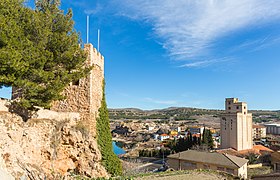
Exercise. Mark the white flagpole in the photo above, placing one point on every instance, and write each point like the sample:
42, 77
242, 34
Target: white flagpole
87, 28
98, 41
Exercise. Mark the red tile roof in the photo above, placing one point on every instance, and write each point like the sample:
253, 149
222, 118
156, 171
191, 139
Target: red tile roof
257, 149
258, 126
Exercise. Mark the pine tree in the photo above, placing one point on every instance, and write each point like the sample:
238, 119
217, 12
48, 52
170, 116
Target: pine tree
207, 138
39, 51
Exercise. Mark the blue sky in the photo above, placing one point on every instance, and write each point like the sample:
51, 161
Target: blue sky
191, 53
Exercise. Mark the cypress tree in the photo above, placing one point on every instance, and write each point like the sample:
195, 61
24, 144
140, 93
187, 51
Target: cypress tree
104, 139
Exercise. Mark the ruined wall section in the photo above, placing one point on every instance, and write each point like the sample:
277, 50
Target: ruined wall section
85, 96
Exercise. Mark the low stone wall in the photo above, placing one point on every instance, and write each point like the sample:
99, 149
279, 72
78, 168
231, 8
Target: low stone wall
58, 116
252, 166
45, 113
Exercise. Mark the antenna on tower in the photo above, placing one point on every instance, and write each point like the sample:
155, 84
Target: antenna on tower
98, 39
87, 28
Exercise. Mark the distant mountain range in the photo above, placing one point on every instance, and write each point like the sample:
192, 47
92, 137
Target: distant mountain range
183, 113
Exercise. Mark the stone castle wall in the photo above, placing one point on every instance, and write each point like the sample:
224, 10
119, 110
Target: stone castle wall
85, 96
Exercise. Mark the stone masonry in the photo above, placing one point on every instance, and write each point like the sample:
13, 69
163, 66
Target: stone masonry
85, 96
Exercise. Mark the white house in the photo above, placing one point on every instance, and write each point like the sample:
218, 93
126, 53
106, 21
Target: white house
163, 137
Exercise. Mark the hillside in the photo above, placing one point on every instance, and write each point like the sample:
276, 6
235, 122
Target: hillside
184, 113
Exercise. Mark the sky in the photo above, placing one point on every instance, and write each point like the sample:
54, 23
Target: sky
184, 53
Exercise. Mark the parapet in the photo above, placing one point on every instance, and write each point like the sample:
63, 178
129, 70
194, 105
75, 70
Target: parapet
94, 57
232, 105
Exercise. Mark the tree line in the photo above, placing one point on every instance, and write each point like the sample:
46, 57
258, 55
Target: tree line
182, 144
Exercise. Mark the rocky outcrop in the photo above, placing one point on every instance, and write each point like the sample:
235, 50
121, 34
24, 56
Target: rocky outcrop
3, 105
48, 148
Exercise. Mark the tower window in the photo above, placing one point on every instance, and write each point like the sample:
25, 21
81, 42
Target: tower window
229, 108
244, 107
76, 83
237, 107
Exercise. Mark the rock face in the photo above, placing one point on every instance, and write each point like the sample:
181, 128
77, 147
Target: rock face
47, 148
60, 141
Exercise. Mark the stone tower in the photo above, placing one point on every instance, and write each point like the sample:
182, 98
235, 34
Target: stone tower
85, 95
236, 126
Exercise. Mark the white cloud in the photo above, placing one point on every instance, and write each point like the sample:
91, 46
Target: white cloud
205, 63
189, 28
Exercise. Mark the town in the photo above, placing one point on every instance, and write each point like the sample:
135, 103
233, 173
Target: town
183, 134
68, 69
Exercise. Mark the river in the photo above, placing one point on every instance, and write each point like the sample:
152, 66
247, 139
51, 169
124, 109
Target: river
117, 149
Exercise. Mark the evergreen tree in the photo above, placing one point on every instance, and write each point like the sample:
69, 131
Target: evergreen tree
104, 140
207, 138
210, 141
39, 51
189, 140
203, 138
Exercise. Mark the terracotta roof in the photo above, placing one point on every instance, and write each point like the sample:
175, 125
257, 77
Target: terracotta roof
164, 135
195, 135
257, 149
229, 151
258, 126
210, 158
262, 148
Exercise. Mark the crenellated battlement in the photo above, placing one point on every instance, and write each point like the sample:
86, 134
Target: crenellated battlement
94, 57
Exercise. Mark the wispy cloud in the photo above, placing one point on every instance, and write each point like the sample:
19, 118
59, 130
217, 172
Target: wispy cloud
94, 10
205, 63
163, 102
257, 44
189, 28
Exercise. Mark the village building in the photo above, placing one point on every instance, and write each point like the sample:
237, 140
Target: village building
191, 159
272, 129
236, 126
173, 133
150, 128
196, 129
163, 137
259, 131
275, 161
